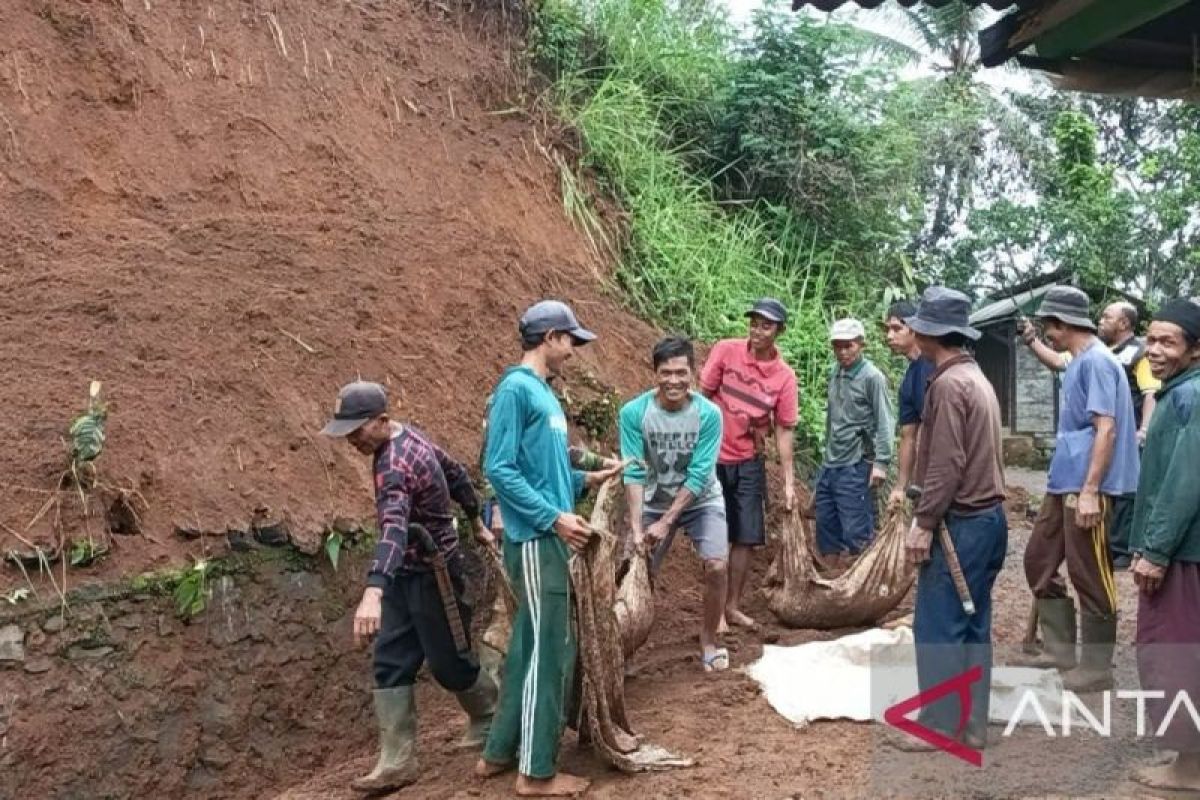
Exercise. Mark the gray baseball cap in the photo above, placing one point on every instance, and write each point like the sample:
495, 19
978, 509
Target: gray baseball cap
551, 315
357, 404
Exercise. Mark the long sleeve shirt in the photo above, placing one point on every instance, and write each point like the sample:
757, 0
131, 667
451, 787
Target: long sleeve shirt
960, 465
858, 423
414, 483
525, 457
1166, 515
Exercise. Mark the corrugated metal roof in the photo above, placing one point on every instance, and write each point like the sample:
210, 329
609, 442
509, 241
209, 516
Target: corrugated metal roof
1021, 303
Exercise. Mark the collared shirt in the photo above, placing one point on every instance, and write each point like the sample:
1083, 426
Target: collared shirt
414, 483
960, 466
858, 422
1166, 514
1094, 385
912, 390
752, 394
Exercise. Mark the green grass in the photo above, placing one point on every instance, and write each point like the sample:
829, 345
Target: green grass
637, 78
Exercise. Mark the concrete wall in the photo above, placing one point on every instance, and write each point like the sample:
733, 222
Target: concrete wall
1036, 388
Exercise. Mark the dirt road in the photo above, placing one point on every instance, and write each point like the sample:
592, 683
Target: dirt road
744, 749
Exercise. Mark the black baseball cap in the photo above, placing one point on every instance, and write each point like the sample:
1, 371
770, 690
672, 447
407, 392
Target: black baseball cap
549, 316
357, 404
769, 309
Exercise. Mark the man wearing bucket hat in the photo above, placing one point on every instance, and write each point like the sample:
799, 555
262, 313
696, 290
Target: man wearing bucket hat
959, 485
1117, 328
1095, 459
858, 446
756, 391
403, 608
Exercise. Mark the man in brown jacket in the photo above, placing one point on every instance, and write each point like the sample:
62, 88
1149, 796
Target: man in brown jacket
959, 481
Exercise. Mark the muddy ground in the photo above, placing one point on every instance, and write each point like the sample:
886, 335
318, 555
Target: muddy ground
744, 749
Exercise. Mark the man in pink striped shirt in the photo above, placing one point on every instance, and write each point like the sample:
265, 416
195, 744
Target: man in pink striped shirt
756, 391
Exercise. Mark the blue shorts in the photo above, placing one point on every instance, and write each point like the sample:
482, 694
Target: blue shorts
705, 526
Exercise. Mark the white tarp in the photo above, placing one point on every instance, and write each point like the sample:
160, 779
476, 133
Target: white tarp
836, 679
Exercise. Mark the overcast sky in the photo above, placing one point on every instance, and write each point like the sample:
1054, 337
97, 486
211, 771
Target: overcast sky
1021, 80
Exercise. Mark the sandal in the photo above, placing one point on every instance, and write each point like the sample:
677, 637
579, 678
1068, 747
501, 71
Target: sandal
717, 662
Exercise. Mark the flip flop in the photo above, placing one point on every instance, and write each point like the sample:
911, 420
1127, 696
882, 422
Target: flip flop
717, 662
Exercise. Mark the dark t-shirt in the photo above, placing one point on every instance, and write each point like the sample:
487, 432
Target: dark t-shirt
912, 390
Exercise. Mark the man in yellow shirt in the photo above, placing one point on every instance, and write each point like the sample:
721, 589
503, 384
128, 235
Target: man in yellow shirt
1117, 329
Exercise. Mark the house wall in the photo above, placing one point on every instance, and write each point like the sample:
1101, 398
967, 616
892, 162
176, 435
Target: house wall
1035, 395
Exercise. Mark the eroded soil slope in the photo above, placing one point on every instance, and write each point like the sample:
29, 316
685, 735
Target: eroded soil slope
222, 211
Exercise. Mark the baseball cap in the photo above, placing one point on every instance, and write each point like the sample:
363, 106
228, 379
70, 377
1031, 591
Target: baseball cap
770, 309
845, 330
357, 404
551, 315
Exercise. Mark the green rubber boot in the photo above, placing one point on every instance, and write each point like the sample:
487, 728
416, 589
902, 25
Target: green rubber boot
1056, 618
1094, 673
480, 704
396, 714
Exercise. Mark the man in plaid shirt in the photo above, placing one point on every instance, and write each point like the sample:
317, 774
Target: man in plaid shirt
414, 483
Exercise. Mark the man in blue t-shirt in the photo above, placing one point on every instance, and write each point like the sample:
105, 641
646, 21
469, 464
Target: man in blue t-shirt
1095, 460
903, 342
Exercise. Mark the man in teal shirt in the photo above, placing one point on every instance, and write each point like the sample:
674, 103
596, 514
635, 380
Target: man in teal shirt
676, 433
526, 461
1165, 541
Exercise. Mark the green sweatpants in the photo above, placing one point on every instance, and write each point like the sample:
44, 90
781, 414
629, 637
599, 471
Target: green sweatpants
541, 659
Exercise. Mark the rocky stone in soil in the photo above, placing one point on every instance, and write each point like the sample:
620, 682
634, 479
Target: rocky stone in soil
12, 645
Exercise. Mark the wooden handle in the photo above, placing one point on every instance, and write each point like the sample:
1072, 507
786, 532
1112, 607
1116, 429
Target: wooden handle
956, 573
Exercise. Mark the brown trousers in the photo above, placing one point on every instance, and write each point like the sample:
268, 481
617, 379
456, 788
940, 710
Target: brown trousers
1056, 538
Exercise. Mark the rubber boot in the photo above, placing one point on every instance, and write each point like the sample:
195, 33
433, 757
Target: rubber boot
480, 704
1056, 618
396, 714
1094, 673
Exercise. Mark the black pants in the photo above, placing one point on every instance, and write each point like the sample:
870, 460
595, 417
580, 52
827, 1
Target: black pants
414, 628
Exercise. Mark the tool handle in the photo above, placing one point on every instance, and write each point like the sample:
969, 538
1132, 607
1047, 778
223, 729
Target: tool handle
956, 573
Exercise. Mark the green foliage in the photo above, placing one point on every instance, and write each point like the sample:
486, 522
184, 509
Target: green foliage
722, 207
85, 552
191, 590
333, 547
87, 430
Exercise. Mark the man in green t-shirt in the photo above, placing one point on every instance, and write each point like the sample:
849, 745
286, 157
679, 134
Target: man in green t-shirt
676, 433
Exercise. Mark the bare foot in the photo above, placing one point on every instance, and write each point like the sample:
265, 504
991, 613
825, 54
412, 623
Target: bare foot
736, 617
561, 785
722, 627
1182, 774
486, 769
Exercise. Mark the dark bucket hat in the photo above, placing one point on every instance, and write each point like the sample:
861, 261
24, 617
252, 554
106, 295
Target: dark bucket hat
943, 311
1066, 304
